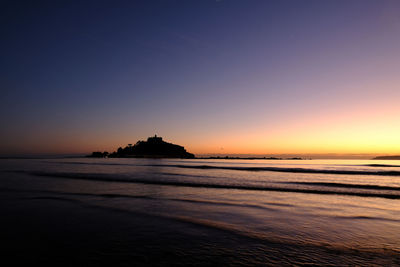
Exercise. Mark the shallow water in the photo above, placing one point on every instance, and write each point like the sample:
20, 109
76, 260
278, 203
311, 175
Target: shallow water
205, 212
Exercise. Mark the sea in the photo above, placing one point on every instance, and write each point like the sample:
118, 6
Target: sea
199, 212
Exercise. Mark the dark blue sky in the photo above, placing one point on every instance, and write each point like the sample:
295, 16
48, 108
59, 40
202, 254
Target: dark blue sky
80, 75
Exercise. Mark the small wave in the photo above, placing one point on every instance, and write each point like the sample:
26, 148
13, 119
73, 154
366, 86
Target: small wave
184, 175
279, 169
207, 202
380, 165
108, 195
359, 186
366, 218
109, 178
242, 168
53, 198
222, 203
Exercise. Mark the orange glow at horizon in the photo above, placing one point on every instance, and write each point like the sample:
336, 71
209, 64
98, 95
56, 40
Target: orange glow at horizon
371, 128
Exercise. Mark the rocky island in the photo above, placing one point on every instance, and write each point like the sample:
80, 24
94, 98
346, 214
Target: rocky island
154, 147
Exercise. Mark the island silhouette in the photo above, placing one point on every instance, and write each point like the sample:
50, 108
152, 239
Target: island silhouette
154, 147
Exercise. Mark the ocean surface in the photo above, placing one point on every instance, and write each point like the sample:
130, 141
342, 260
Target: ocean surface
172, 212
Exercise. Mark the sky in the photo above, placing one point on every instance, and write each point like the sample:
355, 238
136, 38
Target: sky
223, 77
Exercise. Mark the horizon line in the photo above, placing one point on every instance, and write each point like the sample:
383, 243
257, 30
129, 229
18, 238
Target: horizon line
33, 155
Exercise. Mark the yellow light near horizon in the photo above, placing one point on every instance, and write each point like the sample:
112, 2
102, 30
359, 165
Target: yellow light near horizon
366, 131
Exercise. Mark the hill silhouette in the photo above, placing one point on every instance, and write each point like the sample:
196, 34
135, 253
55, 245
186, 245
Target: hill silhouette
154, 147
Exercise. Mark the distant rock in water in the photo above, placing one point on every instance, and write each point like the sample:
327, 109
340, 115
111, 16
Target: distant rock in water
154, 147
388, 157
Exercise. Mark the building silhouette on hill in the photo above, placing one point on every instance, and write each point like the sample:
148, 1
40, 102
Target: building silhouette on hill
154, 147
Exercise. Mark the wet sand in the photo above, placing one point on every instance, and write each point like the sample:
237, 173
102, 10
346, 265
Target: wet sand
47, 231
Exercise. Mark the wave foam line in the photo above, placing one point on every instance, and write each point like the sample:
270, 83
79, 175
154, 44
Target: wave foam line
342, 185
103, 178
279, 169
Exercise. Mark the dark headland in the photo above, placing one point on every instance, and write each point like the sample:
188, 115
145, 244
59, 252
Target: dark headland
154, 147
388, 157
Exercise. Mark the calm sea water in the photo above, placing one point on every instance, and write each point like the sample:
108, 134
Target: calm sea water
203, 212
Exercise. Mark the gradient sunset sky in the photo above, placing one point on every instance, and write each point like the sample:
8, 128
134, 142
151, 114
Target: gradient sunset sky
254, 77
